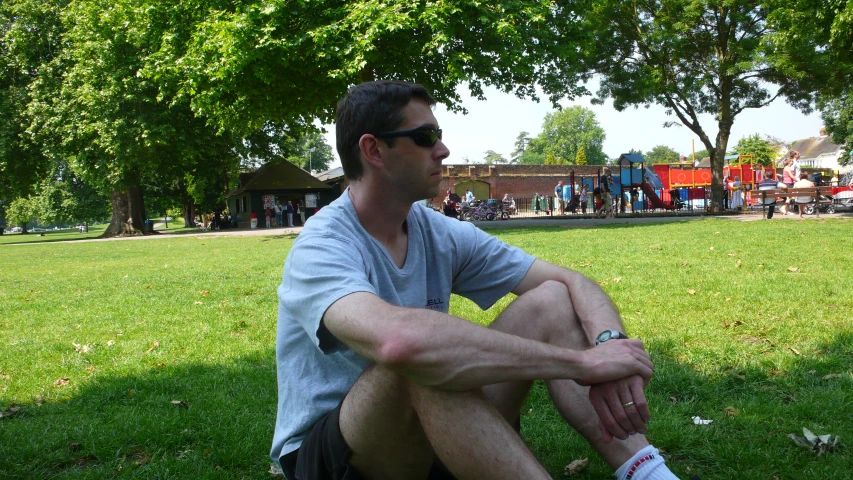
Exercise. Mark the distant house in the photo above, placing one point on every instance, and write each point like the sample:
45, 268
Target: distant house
819, 152
335, 179
279, 182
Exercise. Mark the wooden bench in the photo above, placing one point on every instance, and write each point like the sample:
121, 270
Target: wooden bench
814, 194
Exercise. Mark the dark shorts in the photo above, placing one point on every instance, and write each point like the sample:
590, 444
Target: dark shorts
324, 455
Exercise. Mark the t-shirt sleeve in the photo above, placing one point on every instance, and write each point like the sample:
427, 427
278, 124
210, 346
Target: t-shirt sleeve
320, 270
487, 268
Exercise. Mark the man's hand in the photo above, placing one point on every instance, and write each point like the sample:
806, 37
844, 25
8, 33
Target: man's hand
616, 419
615, 360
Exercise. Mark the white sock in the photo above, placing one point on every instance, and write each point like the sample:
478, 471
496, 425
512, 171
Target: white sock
647, 464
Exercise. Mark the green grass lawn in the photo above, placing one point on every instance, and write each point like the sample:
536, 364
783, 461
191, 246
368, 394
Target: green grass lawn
173, 371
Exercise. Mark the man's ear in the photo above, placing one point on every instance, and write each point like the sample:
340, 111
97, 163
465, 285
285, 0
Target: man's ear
371, 151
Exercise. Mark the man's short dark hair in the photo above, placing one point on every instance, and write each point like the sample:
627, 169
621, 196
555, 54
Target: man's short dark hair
372, 107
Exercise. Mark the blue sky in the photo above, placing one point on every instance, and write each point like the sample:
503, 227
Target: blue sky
495, 123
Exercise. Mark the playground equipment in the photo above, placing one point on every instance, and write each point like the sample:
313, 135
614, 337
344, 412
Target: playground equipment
633, 175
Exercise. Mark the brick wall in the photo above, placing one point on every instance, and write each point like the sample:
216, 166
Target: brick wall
515, 180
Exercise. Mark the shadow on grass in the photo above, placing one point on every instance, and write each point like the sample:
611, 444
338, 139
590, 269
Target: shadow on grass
216, 421
205, 421
749, 441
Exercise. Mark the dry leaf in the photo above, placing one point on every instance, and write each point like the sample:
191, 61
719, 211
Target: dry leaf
617, 279
5, 376
205, 292
75, 447
577, 466
9, 412
673, 400
180, 403
130, 393
739, 264
81, 348
831, 376
198, 303
732, 411
685, 265
691, 292
712, 248
796, 352
736, 323
793, 269
728, 299
275, 470
154, 345
39, 400
732, 254
60, 382
760, 265
111, 343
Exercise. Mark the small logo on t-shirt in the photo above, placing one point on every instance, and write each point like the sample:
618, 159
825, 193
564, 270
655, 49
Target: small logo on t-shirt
434, 304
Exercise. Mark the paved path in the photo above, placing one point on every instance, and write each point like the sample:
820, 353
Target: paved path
514, 223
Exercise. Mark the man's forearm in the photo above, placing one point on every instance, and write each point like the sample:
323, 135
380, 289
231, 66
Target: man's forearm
436, 349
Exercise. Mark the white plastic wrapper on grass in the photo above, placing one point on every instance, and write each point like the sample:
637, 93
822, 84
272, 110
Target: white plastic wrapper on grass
701, 421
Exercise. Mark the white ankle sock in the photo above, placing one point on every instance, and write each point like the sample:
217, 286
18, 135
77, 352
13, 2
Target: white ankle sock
647, 464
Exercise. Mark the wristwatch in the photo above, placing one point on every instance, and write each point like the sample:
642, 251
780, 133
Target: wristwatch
609, 335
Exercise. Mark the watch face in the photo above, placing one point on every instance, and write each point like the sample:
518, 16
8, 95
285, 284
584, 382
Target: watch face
605, 335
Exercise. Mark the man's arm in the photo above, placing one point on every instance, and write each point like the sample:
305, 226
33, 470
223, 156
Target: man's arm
597, 313
433, 348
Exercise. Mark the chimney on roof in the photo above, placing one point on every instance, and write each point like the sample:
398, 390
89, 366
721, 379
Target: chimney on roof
822, 131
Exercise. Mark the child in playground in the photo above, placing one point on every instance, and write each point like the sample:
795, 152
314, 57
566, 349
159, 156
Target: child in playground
584, 198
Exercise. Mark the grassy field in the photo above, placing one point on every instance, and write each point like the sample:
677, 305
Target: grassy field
156, 358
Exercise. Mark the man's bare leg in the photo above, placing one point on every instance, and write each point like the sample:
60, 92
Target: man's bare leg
546, 314
396, 428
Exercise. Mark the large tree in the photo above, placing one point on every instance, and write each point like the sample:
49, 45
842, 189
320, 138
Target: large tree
30, 40
565, 131
815, 38
693, 57
290, 62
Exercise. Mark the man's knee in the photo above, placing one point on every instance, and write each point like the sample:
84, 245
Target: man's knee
545, 313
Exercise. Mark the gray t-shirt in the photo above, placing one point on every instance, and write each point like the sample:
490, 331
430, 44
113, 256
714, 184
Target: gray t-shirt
334, 257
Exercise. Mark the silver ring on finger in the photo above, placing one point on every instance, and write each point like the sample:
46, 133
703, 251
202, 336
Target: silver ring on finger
629, 404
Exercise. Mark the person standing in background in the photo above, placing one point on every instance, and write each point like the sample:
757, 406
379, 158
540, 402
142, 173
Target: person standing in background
558, 195
289, 210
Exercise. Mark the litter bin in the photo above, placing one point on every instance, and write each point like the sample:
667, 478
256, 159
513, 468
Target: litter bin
149, 225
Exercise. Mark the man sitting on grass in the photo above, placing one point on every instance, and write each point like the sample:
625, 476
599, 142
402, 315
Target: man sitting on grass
377, 381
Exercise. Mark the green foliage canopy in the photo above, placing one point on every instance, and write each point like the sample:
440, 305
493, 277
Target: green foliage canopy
565, 131
661, 154
760, 149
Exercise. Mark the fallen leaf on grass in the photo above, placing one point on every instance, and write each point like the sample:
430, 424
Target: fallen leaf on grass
5, 376
154, 345
796, 352
685, 265
205, 292
673, 400
140, 458
39, 400
81, 348
275, 470
9, 412
793, 269
61, 382
831, 376
130, 393
617, 279
198, 303
739, 263
576, 466
818, 444
111, 343
585, 264
712, 248
732, 411
180, 403
75, 447
736, 323
691, 292
701, 421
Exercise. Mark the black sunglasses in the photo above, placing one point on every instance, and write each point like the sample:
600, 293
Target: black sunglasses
422, 136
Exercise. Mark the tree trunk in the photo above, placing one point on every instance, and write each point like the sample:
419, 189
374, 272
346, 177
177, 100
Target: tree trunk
128, 213
189, 213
